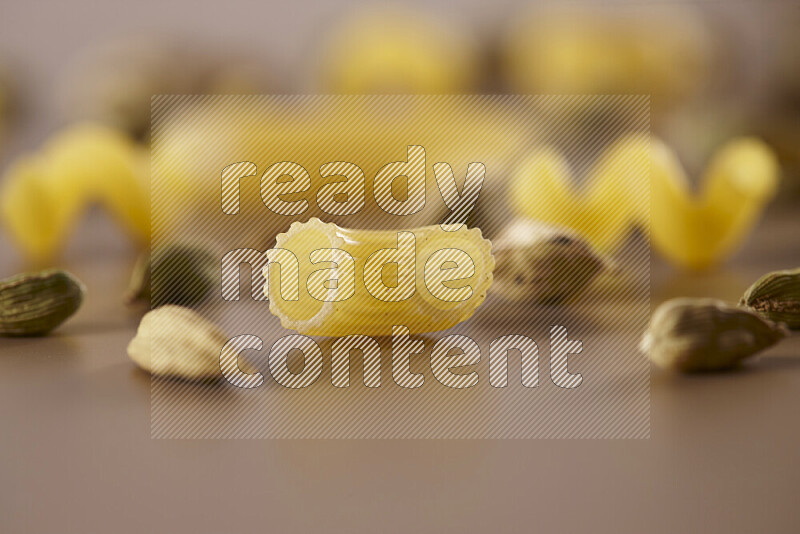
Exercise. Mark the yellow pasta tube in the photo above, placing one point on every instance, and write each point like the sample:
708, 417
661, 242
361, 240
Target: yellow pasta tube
330, 281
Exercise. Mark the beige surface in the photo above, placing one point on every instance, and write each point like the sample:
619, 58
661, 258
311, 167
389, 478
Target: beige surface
77, 456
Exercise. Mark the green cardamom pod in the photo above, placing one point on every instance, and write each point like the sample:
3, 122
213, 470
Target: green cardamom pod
776, 296
689, 335
177, 273
542, 264
33, 304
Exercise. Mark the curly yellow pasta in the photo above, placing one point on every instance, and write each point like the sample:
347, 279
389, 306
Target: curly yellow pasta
639, 180
333, 281
45, 193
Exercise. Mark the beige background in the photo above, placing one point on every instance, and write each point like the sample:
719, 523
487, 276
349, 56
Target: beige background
75, 452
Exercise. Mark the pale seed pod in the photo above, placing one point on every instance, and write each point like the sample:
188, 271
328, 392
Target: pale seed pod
691, 334
542, 264
776, 296
177, 342
34, 304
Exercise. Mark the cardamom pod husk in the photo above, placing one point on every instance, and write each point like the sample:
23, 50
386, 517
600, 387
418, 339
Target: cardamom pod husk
691, 334
177, 273
177, 342
776, 296
33, 304
542, 264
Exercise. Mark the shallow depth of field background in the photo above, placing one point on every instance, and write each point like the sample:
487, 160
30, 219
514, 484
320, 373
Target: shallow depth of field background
714, 70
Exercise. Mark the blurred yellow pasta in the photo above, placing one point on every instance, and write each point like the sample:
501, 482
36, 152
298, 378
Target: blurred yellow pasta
690, 230
44, 193
659, 50
393, 51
